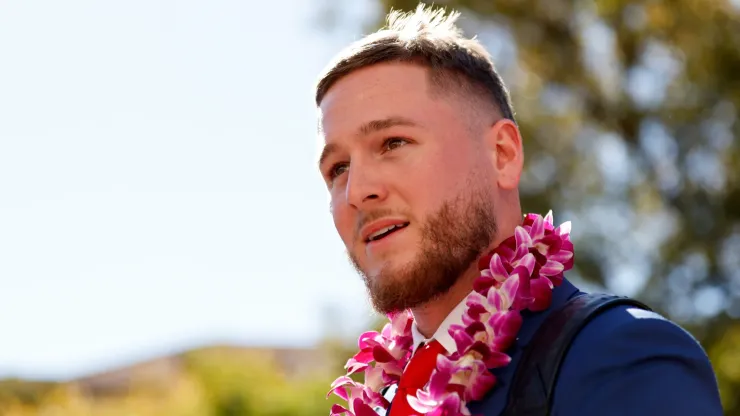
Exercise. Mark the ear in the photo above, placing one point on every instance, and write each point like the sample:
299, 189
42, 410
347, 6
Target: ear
505, 142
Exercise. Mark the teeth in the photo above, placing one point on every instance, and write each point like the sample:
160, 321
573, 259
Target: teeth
380, 232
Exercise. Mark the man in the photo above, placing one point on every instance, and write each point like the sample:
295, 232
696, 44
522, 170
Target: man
422, 158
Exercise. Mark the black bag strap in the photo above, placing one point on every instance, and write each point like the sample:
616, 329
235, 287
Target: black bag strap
533, 387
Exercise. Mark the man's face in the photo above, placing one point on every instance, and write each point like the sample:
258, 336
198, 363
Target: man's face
410, 180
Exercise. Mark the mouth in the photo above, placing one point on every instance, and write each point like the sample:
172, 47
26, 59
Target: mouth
385, 232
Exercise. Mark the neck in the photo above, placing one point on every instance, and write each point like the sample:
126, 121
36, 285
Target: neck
429, 316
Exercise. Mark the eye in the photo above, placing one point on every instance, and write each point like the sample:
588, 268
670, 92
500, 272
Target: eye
336, 170
394, 143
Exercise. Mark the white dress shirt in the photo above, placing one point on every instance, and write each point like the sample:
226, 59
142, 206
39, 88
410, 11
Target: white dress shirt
442, 334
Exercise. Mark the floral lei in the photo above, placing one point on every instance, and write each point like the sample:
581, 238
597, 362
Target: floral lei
519, 274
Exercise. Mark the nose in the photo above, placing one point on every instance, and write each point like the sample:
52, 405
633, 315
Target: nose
364, 185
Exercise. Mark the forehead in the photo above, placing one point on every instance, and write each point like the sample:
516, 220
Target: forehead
376, 92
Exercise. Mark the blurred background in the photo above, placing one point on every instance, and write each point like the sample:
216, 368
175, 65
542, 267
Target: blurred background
165, 241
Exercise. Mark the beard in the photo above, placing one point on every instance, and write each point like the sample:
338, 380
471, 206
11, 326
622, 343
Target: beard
452, 238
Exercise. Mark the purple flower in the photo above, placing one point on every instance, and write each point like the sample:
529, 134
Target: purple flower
551, 250
389, 349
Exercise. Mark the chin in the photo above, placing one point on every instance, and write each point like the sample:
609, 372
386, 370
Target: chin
397, 256
393, 267
386, 271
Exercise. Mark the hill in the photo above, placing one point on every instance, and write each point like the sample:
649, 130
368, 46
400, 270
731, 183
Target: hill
217, 380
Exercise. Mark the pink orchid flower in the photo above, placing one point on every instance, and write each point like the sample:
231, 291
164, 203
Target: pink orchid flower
359, 398
438, 398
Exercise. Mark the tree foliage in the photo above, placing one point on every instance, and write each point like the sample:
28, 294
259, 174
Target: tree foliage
212, 382
629, 114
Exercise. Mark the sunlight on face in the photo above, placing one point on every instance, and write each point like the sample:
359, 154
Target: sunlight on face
404, 173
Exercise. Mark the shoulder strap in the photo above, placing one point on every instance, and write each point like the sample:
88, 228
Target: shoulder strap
533, 387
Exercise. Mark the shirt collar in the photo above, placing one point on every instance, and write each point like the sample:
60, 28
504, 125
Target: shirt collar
442, 335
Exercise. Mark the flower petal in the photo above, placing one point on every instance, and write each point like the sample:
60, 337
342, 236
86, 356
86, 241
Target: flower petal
441, 376
538, 228
462, 339
506, 326
374, 378
563, 229
548, 217
522, 237
498, 271
550, 244
562, 256
484, 282
381, 355
552, 268
527, 262
338, 387
368, 339
542, 291
483, 261
337, 410
497, 359
359, 408
529, 219
354, 366
507, 248
556, 280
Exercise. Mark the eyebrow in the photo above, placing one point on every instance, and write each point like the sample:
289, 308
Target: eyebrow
370, 127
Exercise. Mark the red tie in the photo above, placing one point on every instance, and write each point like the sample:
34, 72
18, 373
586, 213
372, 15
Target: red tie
415, 376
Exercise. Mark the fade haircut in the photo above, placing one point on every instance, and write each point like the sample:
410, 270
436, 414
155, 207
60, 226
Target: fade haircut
430, 38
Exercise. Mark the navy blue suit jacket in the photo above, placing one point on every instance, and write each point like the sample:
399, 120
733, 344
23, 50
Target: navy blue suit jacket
624, 362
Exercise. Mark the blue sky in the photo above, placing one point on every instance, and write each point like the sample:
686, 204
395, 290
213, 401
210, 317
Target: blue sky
158, 187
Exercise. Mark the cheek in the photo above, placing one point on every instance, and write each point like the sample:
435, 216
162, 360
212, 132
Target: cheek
429, 182
343, 221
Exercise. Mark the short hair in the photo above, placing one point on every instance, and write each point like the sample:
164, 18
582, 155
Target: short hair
430, 38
